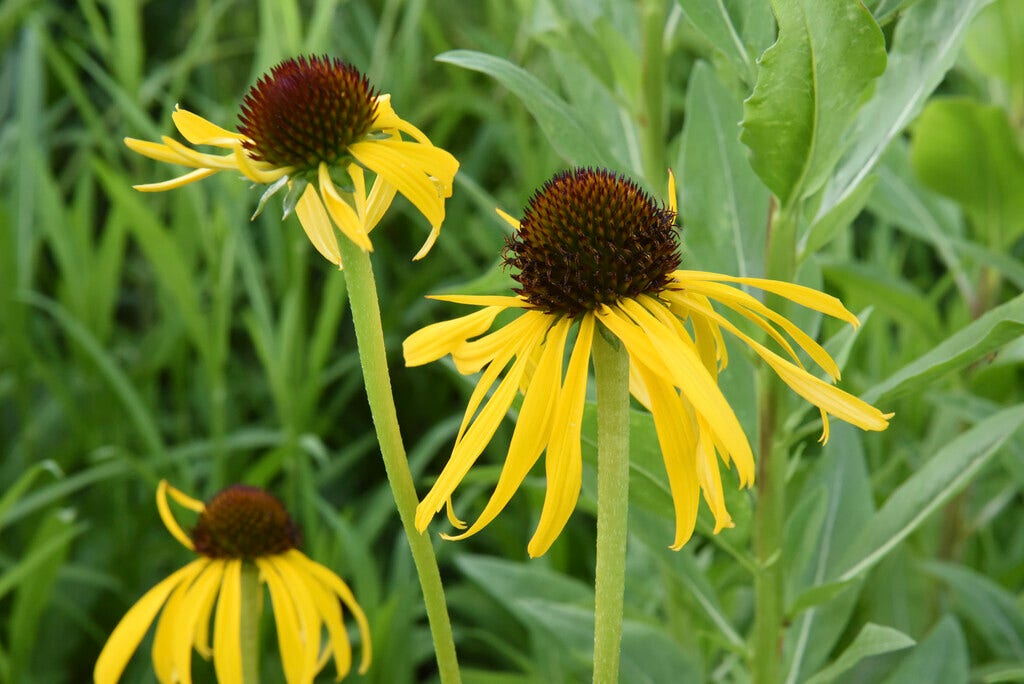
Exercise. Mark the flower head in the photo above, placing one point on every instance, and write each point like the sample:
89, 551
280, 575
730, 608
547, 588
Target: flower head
239, 525
314, 125
594, 250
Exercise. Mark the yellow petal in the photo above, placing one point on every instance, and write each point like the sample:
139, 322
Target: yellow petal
258, 172
133, 626
170, 522
804, 296
386, 119
286, 618
674, 429
310, 626
201, 159
436, 340
510, 220
647, 338
345, 217
533, 426
710, 477
388, 159
475, 354
483, 300
329, 609
471, 443
227, 629
175, 183
382, 194
195, 609
199, 131
564, 462
428, 244
335, 584
317, 225
672, 191
163, 652
158, 152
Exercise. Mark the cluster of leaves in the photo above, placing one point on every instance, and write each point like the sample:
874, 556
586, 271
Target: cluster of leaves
166, 336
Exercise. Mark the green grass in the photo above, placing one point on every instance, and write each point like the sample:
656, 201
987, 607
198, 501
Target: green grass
149, 336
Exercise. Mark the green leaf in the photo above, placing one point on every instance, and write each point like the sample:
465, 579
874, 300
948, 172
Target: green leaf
873, 640
993, 611
14, 491
926, 43
561, 126
837, 219
715, 21
816, 596
939, 480
968, 151
724, 205
941, 656
995, 328
809, 87
995, 44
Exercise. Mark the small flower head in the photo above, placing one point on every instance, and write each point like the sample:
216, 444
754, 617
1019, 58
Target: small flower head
244, 522
307, 111
589, 238
240, 527
315, 126
594, 250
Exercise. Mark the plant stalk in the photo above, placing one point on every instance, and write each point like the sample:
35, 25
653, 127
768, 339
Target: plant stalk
611, 368
365, 307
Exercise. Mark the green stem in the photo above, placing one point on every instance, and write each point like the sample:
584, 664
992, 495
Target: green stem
652, 122
362, 293
611, 368
770, 515
251, 602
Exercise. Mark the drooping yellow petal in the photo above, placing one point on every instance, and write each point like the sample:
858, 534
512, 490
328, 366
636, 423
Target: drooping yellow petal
227, 628
672, 191
564, 462
310, 626
382, 194
345, 217
740, 301
286, 618
386, 119
163, 640
533, 427
823, 395
647, 338
678, 445
710, 477
201, 633
438, 339
387, 158
804, 296
258, 172
170, 522
475, 354
133, 626
201, 159
194, 610
199, 131
470, 444
335, 584
317, 224
329, 608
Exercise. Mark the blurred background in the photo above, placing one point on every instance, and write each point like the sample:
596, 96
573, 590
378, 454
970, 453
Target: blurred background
168, 336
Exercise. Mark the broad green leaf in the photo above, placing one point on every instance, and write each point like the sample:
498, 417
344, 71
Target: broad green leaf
925, 45
935, 483
837, 219
968, 151
563, 130
994, 612
884, 10
714, 19
649, 655
840, 472
995, 43
816, 596
941, 656
809, 87
873, 640
992, 330
724, 206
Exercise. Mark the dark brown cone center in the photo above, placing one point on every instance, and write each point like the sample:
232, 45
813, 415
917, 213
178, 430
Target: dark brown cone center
244, 522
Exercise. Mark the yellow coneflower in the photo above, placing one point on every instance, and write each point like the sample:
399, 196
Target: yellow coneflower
594, 252
312, 126
239, 525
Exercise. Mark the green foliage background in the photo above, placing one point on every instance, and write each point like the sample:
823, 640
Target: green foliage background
150, 336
